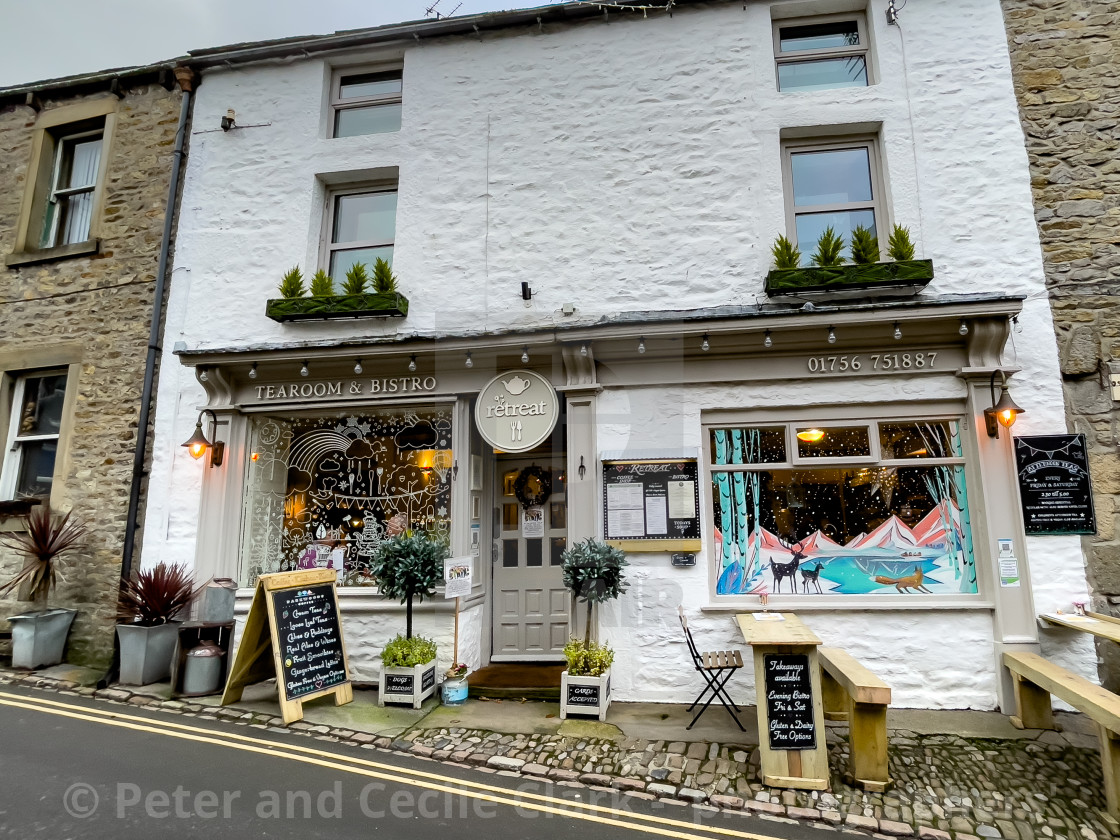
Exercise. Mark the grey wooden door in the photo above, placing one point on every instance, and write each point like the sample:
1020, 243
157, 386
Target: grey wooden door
530, 601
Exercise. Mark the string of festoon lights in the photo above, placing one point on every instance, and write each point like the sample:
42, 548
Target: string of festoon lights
644, 8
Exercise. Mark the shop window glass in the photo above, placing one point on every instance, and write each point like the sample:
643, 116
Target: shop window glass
881, 528
749, 446
832, 442
327, 491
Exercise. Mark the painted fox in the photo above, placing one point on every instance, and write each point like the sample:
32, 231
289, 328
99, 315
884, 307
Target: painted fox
902, 584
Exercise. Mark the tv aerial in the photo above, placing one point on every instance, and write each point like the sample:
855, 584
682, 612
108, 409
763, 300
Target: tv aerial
432, 10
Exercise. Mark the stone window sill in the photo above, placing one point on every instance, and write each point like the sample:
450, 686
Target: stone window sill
62, 252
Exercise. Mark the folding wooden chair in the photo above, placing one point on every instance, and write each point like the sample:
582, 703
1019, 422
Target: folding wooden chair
716, 668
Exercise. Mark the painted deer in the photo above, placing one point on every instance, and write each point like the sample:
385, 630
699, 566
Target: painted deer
904, 584
789, 569
811, 576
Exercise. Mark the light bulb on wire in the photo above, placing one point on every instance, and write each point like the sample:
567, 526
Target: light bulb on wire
831, 335
897, 331
768, 341
524, 355
357, 367
412, 364
642, 344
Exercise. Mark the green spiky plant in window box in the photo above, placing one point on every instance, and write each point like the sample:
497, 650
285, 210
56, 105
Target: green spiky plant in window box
321, 284
829, 249
384, 281
785, 253
360, 296
899, 245
357, 279
865, 246
291, 286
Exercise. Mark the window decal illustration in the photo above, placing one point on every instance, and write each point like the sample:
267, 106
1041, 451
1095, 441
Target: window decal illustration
897, 526
326, 491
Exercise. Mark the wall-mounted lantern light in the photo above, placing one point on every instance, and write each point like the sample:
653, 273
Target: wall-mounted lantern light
1004, 411
198, 443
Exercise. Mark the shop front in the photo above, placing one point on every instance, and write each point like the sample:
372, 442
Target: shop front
784, 460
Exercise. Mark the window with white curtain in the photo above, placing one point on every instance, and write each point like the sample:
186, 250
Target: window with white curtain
32, 440
73, 183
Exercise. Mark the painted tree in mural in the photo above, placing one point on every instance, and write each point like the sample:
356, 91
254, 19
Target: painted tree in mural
740, 548
946, 487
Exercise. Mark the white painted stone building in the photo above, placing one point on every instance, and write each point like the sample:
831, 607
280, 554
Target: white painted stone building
627, 174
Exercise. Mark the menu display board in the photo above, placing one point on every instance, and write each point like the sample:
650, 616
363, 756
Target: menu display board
789, 701
310, 639
293, 633
651, 500
1054, 486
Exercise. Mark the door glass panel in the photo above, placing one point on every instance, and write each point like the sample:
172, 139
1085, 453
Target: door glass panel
558, 546
509, 518
558, 515
533, 549
509, 553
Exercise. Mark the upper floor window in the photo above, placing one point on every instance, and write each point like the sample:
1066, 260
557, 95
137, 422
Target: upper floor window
821, 52
362, 225
830, 184
366, 103
69, 206
33, 430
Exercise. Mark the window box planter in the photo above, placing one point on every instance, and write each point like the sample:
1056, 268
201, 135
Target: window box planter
585, 695
374, 305
890, 277
407, 685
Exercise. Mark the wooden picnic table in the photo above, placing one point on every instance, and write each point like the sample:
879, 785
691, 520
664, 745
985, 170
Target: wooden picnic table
1104, 626
790, 713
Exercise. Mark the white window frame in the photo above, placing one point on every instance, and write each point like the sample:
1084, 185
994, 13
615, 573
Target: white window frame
795, 419
13, 451
329, 246
339, 103
863, 48
57, 193
876, 205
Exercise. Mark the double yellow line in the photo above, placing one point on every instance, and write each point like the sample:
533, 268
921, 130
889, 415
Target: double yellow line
525, 800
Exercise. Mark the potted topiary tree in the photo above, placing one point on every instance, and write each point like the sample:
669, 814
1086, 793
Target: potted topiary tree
593, 573
148, 605
408, 567
39, 636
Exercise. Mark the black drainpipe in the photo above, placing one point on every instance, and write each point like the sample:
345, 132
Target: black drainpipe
186, 78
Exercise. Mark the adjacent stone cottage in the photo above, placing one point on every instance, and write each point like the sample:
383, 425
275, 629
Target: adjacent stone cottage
85, 167
1065, 57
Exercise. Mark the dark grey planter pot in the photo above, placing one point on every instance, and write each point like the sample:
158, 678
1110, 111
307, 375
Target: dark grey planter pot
146, 652
39, 638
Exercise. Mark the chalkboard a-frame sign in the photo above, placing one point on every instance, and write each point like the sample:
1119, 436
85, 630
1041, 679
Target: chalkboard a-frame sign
293, 633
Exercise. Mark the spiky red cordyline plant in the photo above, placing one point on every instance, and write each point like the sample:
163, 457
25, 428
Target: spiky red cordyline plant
42, 542
155, 596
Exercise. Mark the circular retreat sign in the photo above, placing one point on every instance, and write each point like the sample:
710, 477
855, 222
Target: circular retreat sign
517, 411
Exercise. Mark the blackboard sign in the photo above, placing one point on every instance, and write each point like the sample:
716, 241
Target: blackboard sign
789, 701
1054, 486
293, 633
310, 641
428, 680
583, 695
651, 500
398, 683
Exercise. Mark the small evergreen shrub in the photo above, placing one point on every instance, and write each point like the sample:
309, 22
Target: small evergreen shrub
356, 280
292, 284
899, 246
321, 284
384, 281
402, 652
785, 253
865, 246
828, 250
587, 659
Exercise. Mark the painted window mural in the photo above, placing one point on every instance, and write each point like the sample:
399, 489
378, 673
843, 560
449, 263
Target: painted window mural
858, 509
326, 491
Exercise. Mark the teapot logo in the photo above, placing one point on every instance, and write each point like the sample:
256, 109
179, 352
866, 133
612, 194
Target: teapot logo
516, 385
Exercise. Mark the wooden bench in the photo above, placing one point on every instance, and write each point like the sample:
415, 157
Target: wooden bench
1037, 678
851, 692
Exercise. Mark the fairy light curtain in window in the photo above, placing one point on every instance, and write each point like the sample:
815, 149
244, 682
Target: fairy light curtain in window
858, 510
327, 491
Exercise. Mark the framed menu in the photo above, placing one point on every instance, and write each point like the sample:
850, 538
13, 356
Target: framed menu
652, 505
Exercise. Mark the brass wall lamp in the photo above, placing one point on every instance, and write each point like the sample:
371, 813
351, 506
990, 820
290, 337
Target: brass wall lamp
198, 443
1004, 411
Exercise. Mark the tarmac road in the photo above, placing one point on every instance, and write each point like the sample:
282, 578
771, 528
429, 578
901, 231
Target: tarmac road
77, 767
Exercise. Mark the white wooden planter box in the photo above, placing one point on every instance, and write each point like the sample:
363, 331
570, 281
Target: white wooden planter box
585, 695
407, 685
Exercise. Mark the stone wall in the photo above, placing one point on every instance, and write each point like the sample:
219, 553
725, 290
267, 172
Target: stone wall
1066, 63
103, 303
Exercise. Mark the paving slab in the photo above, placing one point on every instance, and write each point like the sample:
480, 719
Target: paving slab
528, 718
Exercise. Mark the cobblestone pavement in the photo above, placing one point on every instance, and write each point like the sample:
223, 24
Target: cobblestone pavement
946, 787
